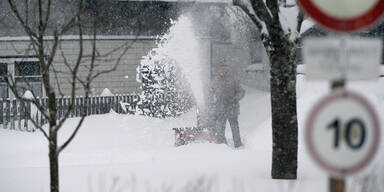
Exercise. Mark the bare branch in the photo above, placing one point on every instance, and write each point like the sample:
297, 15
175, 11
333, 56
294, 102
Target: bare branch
12, 84
115, 65
253, 17
74, 20
55, 72
70, 107
46, 20
46, 51
25, 52
25, 25
40, 6
74, 74
26, 2
65, 144
52, 55
127, 44
90, 77
87, 86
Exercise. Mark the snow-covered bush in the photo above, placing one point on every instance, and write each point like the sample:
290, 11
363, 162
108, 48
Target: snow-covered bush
165, 91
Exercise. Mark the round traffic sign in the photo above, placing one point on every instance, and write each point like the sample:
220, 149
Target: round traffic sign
344, 15
342, 133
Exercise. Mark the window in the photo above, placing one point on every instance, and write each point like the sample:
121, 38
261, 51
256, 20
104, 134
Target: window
26, 73
28, 77
27, 68
3, 69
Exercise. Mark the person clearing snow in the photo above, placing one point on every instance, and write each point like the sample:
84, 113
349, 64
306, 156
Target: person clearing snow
226, 94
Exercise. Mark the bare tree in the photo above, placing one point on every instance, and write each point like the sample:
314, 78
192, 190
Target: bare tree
280, 42
45, 30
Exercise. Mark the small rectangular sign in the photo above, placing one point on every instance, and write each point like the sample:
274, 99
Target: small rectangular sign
342, 58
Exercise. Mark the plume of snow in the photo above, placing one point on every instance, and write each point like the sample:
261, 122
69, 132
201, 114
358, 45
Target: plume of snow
182, 46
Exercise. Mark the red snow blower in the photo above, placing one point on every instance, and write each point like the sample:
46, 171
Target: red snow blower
186, 135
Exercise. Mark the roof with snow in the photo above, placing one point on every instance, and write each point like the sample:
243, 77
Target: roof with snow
114, 17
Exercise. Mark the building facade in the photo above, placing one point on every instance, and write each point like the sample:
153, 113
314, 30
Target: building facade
16, 59
123, 42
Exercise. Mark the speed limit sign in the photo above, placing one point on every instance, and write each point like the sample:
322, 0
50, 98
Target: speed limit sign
342, 133
344, 15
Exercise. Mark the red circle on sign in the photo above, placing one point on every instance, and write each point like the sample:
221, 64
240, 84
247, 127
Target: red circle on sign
343, 25
336, 96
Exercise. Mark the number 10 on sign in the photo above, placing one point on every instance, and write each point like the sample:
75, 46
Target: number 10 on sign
353, 133
342, 133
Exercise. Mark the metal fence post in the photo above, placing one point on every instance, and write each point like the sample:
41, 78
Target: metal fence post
1, 113
20, 116
27, 116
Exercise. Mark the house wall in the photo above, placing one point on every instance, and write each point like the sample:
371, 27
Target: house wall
109, 50
130, 50
257, 73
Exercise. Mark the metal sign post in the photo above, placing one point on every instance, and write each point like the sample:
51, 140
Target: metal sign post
342, 129
337, 184
345, 122
342, 134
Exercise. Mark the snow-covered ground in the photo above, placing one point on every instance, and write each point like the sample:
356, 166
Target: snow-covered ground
114, 152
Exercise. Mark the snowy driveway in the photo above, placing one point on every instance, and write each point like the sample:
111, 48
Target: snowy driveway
132, 153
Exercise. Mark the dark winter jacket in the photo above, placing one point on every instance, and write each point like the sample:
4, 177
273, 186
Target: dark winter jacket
227, 92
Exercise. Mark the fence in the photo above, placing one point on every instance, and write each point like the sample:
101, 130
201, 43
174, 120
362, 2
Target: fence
15, 115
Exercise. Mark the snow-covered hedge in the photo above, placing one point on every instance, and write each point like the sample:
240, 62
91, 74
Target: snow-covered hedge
165, 92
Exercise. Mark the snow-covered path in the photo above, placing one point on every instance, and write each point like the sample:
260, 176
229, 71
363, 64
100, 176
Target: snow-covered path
115, 152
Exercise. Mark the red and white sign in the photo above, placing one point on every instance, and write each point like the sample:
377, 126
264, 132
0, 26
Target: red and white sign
344, 15
342, 133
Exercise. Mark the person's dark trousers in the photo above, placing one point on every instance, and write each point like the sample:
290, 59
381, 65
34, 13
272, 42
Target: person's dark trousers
220, 130
234, 123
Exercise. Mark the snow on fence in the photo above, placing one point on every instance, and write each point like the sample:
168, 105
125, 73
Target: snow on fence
14, 114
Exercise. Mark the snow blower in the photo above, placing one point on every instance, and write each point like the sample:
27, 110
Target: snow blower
195, 134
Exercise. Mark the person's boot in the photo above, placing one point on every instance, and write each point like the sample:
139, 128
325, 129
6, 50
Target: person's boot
238, 144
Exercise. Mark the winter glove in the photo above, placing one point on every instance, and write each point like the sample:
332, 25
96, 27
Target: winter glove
240, 94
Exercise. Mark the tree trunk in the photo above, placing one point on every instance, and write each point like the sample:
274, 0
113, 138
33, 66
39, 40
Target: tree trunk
54, 164
53, 149
282, 57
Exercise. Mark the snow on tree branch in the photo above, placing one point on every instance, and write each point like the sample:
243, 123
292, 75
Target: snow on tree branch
291, 18
248, 8
291, 21
288, 21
